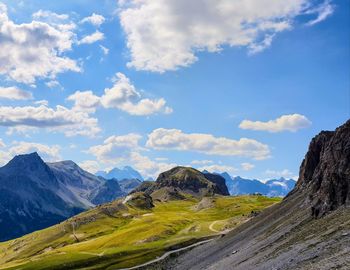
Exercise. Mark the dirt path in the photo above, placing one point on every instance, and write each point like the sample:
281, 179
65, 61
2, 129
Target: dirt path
212, 225
167, 254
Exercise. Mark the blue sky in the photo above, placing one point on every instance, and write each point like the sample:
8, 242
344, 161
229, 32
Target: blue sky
216, 85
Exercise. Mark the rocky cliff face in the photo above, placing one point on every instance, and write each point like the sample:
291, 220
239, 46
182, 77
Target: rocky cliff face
325, 171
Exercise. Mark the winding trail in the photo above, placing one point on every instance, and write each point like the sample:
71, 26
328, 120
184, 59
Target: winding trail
212, 225
166, 254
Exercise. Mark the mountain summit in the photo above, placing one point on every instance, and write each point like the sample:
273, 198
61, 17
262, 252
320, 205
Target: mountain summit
126, 172
184, 180
36, 195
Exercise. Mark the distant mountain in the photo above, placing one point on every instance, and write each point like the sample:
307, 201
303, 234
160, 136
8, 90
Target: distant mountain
107, 192
126, 172
273, 188
181, 181
35, 195
127, 185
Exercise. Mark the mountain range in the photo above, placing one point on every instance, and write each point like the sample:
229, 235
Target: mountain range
272, 188
126, 172
35, 194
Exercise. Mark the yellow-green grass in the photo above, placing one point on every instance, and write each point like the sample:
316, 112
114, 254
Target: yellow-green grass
116, 236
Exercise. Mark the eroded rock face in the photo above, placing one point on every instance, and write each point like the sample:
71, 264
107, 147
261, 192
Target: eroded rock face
325, 171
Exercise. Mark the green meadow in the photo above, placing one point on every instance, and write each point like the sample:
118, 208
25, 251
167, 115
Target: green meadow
118, 235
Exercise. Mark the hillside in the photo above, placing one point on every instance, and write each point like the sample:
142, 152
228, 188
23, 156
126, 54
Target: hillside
128, 232
309, 229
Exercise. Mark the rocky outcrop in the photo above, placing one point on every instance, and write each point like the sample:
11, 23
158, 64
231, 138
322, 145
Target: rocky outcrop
178, 181
325, 171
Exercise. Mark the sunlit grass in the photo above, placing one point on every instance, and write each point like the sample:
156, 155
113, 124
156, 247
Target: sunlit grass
125, 236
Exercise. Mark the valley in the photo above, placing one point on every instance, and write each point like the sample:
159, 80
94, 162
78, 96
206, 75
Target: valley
121, 235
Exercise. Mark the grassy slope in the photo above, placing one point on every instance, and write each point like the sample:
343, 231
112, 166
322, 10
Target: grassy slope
113, 235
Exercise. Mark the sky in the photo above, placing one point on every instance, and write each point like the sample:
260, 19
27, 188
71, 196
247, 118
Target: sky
236, 86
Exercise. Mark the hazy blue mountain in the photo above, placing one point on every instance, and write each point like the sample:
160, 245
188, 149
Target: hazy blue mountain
273, 188
127, 185
107, 192
35, 195
126, 172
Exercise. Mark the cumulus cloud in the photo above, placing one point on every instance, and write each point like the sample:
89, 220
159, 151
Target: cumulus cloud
94, 37
84, 101
34, 50
59, 119
174, 139
323, 11
47, 152
123, 96
90, 166
218, 169
202, 162
291, 122
125, 149
94, 19
247, 166
14, 93
284, 173
46, 14
165, 35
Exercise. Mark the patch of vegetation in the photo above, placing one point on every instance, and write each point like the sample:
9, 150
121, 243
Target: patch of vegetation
118, 235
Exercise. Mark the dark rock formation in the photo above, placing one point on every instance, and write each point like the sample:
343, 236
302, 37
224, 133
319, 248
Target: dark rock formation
139, 200
184, 180
325, 171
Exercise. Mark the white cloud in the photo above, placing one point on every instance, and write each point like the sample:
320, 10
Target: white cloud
53, 84
84, 101
46, 14
125, 149
94, 19
165, 35
34, 50
2, 144
60, 119
218, 169
202, 162
14, 93
291, 122
174, 139
123, 96
90, 166
278, 174
42, 102
48, 153
116, 148
94, 37
323, 11
105, 50
247, 166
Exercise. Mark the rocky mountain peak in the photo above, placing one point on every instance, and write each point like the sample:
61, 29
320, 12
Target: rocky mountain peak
325, 171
